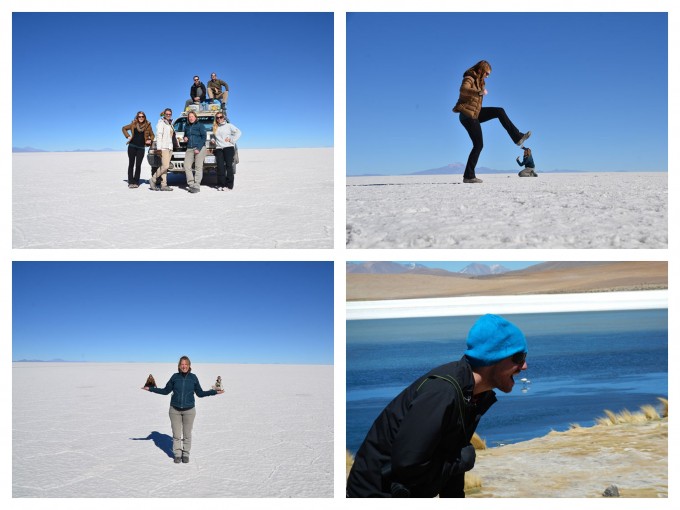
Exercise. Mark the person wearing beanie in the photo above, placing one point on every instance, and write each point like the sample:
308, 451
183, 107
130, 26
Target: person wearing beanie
419, 446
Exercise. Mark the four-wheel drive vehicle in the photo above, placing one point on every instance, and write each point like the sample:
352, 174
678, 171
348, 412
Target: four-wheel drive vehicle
205, 117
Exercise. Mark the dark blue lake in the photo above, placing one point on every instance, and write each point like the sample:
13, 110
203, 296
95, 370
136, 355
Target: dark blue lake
579, 364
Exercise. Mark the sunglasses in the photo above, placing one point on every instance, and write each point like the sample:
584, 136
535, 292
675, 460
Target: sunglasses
141, 117
519, 358
168, 114
219, 118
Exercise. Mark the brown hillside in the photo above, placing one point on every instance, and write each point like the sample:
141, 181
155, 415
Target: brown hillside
553, 278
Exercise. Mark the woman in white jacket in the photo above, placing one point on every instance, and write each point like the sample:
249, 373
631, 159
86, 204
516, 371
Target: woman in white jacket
164, 144
226, 135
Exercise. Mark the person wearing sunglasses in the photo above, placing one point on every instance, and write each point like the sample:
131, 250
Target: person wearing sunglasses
419, 446
164, 144
215, 90
472, 114
226, 135
196, 93
139, 135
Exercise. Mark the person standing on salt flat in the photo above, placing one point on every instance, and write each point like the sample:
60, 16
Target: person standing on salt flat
472, 114
183, 385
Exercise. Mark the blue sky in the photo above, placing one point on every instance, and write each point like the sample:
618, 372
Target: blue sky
214, 312
592, 87
457, 266
96, 70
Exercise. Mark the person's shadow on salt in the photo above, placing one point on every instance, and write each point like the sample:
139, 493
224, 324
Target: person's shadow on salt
162, 441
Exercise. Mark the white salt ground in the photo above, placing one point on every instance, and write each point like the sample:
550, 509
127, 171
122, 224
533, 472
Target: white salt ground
579, 210
282, 198
88, 430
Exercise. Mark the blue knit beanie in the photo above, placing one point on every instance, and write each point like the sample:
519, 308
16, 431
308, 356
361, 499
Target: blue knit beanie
492, 339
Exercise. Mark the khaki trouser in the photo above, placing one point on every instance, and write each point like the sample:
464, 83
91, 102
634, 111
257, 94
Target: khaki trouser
162, 172
222, 95
190, 158
182, 423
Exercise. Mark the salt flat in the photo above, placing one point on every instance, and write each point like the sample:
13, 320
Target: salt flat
282, 198
88, 430
569, 210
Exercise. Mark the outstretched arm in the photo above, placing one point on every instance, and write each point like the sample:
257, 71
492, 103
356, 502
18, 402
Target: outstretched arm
161, 391
201, 393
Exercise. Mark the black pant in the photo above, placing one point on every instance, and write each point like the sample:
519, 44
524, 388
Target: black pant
474, 129
225, 161
135, 156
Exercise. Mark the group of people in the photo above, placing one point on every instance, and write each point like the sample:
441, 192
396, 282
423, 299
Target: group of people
140, 135
198, 91
472, 114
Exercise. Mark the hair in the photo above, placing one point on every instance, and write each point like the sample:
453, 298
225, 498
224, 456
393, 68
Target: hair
196, 76
135, 120
216, 124
528, 150
213, 74
184, 358
479, 69
191, 112
166, 110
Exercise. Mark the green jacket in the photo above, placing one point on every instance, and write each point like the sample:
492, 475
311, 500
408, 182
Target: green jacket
183, 388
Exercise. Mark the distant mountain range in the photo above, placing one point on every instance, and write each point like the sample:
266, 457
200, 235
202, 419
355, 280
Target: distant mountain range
459, 169
56, 360
474, 269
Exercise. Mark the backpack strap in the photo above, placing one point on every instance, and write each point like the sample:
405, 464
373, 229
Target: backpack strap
449, 379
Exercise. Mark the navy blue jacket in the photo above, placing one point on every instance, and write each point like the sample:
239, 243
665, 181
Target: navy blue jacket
196, 134
528, 162
183, 387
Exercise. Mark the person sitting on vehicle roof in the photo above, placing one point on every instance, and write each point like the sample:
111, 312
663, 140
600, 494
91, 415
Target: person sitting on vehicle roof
215, 90
197, 92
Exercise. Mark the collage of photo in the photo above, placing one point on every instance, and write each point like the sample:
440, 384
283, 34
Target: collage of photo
426, 253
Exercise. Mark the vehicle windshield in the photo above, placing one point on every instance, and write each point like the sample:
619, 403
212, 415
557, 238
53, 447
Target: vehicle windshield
181, 123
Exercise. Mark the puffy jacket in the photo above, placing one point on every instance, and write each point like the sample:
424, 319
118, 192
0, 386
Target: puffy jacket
417, 441
196, 134
183, 388
164, 132
471, 95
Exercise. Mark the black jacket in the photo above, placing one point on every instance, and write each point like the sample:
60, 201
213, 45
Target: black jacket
416, 441
194, 88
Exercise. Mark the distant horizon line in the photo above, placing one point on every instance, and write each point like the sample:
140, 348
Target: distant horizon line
32, 150
173, 362
502, 172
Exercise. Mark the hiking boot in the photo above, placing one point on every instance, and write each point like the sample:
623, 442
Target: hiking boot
185, 460
178, 460
130, 186
152, 184
193, 189
166, 188
474, 179
524, 138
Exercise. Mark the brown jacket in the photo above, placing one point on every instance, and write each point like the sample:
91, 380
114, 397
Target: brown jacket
471, 95
146, 126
